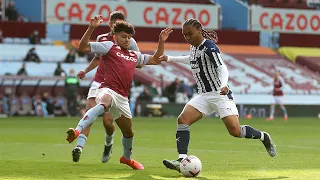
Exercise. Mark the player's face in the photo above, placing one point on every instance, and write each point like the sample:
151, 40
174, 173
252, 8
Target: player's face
123, 39
112, 23
192, 35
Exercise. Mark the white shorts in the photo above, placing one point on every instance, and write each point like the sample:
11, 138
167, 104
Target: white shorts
119, 106
93, 91
277, 100
208, 103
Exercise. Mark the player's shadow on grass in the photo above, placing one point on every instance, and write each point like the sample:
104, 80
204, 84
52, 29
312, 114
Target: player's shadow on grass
141, 176
279, 177
177, 176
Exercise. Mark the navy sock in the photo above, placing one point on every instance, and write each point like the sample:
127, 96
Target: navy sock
250, 133
183, 138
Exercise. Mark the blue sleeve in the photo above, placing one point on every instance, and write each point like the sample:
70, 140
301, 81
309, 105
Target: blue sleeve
133, 45
101, 47
142, 58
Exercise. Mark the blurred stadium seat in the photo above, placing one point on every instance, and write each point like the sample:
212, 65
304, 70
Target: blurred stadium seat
17, 52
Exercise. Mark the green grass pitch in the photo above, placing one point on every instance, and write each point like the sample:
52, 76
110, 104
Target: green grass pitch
35, 148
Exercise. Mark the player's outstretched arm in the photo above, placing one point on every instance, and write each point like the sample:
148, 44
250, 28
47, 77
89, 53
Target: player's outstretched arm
178, 59
163, 36
84, 45
93, 64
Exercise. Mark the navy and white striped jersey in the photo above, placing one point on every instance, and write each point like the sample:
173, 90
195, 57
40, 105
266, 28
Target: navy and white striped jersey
205, 61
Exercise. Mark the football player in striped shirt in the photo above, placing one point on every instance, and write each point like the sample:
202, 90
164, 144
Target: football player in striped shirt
214, 94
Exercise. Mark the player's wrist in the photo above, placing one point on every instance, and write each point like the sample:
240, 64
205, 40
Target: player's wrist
170, 58
161, 40
91, 28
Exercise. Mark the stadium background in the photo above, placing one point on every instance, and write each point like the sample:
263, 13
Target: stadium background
257, 38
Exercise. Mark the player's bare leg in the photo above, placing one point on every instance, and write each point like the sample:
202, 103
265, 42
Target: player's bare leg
109, 128
272, 108
188, 116
82, 139
125, 125
285, 115
232, 124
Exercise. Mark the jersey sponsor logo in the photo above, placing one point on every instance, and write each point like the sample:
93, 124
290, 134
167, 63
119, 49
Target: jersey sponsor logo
128, 58
194, 64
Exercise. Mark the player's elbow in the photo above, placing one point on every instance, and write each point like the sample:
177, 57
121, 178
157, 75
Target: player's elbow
83, 48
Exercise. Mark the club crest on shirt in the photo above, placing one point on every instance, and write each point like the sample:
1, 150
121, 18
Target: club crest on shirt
104, 39
93, 91
132, 54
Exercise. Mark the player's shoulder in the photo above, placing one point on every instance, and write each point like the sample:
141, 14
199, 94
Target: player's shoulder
133, 52
211, 46
132, 39
104, 37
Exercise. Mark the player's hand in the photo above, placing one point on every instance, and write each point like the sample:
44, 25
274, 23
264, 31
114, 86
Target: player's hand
224, 91
81, 74
96, 21
164, 34
163, 58
215, 36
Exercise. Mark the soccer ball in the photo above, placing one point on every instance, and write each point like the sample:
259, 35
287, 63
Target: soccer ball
190, 166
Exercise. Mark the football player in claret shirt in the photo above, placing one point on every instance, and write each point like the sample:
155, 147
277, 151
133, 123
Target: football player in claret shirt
108, 120
119, 65
278, 84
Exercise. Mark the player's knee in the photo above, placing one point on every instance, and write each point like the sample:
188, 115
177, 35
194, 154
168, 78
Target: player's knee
234, 131
107, 120
108, 124
128, 134
90, 103
105, 100
182, 119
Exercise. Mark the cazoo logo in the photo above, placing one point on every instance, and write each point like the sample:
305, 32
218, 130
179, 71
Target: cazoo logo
128, 58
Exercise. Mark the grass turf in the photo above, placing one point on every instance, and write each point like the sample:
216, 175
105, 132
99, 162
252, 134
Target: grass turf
35, 148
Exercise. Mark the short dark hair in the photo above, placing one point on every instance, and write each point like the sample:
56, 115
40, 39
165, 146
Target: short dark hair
123, 26
207, 34
117, 15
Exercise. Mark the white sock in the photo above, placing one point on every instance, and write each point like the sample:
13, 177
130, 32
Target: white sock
182, 156
90, 117
82, 139
272, 111
262, 136
109, 139
127, 144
